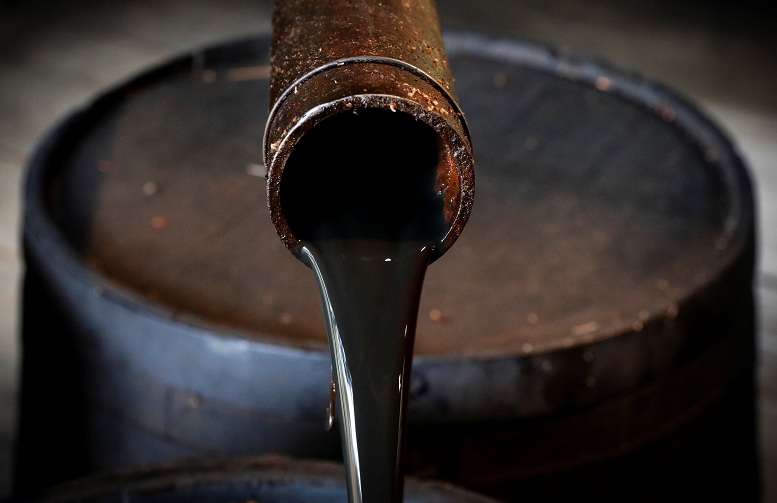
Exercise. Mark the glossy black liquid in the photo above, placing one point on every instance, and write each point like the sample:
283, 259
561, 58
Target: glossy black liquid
370, 297
361, 194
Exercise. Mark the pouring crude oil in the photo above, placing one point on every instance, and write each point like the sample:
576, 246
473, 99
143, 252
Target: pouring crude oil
370, 179
369, 244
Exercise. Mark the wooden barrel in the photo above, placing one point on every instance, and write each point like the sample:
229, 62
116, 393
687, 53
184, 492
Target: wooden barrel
591, 333
266, 479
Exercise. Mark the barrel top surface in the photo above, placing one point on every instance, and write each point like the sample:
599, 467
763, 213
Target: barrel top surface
602, 202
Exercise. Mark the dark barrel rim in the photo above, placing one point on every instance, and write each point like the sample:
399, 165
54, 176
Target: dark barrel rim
274, 475
676, 110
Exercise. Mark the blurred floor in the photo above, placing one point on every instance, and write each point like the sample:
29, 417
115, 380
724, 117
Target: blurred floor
55, 55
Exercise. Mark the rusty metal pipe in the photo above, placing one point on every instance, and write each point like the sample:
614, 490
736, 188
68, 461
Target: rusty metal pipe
383, 59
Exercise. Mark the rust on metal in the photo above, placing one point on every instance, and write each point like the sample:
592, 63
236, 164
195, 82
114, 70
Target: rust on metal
337, 57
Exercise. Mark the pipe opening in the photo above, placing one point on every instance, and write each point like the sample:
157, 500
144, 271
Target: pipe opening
367, 174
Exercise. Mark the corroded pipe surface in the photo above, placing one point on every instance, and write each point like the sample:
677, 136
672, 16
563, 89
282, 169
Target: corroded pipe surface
340, 57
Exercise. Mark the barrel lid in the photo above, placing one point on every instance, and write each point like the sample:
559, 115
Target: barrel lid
604, 202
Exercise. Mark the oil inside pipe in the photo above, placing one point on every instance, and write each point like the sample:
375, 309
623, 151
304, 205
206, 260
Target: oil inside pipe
361, 193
